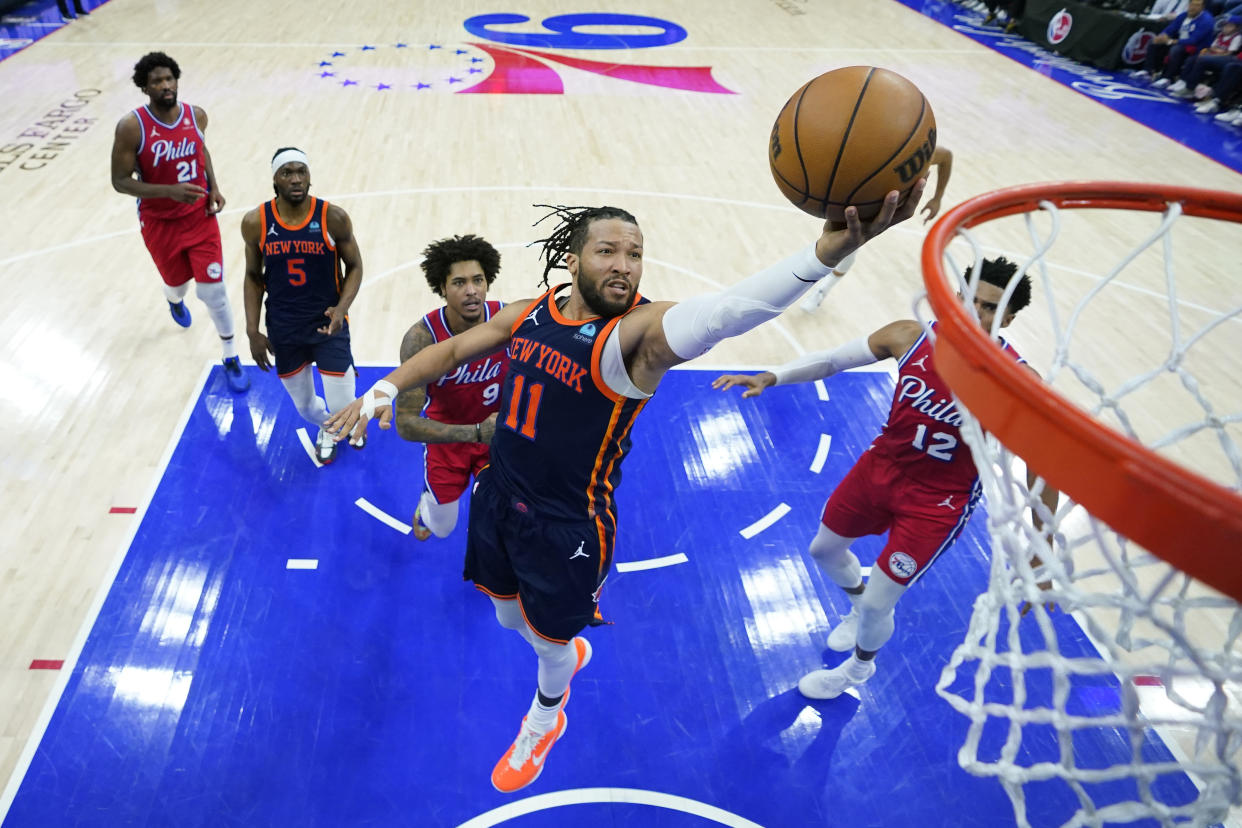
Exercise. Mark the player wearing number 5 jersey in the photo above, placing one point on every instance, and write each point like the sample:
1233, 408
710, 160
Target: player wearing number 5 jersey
159, 154
295, 248
455, 415
917, 481
584, 358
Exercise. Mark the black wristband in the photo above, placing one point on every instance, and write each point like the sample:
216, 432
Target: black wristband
478, 433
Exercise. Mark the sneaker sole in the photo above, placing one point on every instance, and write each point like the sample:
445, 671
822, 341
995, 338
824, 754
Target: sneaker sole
540, 766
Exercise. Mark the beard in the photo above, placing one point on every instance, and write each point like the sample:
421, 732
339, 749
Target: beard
595, 300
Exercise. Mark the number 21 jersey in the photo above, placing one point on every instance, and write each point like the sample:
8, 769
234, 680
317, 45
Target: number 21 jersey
171, 154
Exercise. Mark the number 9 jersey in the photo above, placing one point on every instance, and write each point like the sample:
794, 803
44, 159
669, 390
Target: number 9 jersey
471, 393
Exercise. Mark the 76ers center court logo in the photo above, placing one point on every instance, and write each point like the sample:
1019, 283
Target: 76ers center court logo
510, 56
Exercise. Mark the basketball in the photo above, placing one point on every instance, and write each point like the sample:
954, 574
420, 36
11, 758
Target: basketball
848, 137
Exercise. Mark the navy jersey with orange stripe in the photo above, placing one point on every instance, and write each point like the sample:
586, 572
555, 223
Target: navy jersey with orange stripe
562, 433
301, 273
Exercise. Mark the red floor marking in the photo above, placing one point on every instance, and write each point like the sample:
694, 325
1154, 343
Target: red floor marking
47, 664
1148, 681
123, 510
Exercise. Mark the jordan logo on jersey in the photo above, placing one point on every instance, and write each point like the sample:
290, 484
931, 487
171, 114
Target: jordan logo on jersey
271, 231
947, 502
578, 553
533, 314
919, 363
154, 132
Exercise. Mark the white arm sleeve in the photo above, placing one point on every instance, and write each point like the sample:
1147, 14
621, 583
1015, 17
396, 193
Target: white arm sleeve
822, 364
694, 326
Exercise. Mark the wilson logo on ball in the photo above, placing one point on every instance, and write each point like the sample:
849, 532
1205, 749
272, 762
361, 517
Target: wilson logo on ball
912, 166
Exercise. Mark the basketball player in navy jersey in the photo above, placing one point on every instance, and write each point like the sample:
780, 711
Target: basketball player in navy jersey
584, 359
455, 415
160, 156
917, 480
296, 245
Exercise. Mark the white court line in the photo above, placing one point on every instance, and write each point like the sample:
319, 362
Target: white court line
382, 516
765, 521
607, 796
305, 440
92, 614
302, 563
821, 390
652, 563
821, 453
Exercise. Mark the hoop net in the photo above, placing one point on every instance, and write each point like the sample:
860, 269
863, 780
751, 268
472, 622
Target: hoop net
1128, 691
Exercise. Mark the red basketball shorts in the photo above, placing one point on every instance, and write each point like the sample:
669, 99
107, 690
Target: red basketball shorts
185, 248
449, 467
921, 521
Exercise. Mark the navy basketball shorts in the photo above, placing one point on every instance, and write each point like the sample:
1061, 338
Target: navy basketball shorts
555, 569
332, 355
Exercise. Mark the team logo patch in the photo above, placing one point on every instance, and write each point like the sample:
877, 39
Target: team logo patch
1135, 49
1059, 26
314, 225
902, 564
214, 271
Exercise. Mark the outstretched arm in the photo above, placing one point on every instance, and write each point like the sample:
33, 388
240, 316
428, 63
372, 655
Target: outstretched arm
411, 425
891, 341
657, 336
430, 363
942, 160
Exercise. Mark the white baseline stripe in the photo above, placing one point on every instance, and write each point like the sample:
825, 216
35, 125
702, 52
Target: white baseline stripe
305, 440
766, 521
586, 796
821, 453
105, 586
302, 563
382, 516
652, 563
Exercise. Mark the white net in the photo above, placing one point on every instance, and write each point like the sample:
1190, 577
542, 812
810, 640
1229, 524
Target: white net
1125, 698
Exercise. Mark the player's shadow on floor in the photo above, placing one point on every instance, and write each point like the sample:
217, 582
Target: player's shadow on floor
772, 743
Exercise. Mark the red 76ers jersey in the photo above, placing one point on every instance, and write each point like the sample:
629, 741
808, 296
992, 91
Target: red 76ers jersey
471, 393
923, 432
171, 154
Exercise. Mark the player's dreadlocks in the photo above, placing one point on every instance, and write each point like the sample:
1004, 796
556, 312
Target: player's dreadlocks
571, 234
150, 61
440, 256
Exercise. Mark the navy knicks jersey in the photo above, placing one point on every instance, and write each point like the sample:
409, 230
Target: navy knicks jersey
561, 432
301, 273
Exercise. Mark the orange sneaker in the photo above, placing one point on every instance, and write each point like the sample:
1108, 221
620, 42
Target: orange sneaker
420, 531
523, 761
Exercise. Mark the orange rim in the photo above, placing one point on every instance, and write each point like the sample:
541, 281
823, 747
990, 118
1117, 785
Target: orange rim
1184, 518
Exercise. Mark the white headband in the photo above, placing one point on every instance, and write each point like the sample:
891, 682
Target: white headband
287, 156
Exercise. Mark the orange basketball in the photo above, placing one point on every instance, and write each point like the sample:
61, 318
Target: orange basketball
848, 137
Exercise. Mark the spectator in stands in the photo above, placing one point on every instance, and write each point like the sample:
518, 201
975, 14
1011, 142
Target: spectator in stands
1187, 34
1165, 10
1224, 93
1011, 9
1212, 60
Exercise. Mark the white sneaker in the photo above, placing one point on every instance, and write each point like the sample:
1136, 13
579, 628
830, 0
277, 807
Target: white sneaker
1202, 91
325, 447
1178, 86
1139, 74
1230, 117
1208, 107
1237, 117
828, 684
1160, 83
845, 635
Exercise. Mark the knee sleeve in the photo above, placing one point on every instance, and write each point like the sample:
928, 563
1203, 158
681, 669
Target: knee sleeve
875, 610
216, 298
440, 518
338, 391
301, 388
832, 552
176, 294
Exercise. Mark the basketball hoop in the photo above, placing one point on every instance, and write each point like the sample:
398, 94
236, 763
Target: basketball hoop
1132, 544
